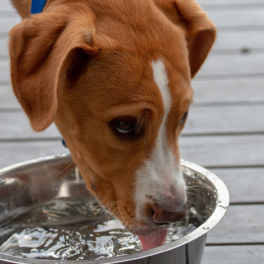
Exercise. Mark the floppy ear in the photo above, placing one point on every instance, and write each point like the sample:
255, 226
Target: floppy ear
23, 7
47, 51
200, 31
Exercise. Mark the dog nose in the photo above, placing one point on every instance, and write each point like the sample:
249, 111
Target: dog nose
168, 214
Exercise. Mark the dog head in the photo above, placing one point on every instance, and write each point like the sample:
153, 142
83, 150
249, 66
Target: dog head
115, 77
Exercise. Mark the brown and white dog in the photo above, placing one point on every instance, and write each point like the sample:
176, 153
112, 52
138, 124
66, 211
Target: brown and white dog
115, 77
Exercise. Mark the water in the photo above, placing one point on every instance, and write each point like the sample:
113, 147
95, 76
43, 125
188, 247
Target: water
76, 229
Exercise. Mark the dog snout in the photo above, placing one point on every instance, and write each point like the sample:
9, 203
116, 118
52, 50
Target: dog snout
168, 211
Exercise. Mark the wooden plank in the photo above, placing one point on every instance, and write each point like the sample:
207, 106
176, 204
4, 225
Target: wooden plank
206, 151
244, 185
201, 120
205, 91
12, 153
7, 98
4, 47
16, 126
8, 21
226, 42
237, 17
228, 2
4, 70
233, 64
227, 65
239, 40
233, 255
231, 90
223, 150
241, 224
227, 119
221, 18
6, 5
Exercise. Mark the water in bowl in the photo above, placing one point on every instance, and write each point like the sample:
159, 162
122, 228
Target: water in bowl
76, 229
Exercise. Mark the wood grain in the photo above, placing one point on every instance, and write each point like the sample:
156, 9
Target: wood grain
241, 224
233, 255
7, 98
6, 5
225, 119
241, 64
243, 17
244, 185
4, 46
206, 151
229, 91
205, 91
230, 42
222, 18
238, 40
201, 120
215, 65
12, 153
17, 126
227, 2
223, 150
8, 21
4, 70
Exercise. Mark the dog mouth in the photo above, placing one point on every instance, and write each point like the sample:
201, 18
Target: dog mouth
151, 236
155, 239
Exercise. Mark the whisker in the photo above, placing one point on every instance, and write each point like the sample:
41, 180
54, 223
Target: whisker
140, 124
63, 170
191, 203
197, 196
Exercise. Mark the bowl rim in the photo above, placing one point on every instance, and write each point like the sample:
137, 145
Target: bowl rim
220, 210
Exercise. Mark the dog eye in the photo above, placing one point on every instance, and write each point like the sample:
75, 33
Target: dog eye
183, 119
125, 126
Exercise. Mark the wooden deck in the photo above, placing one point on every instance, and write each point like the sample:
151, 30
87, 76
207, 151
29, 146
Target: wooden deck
224, 132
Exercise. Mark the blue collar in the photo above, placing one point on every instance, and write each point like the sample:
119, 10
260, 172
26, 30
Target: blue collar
37, 6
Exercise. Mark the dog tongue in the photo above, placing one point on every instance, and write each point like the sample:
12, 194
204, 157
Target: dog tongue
153, 240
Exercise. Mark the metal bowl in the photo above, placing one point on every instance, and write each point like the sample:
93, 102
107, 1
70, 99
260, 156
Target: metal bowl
32, 182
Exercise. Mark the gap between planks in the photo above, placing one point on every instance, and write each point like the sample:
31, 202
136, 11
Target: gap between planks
235, 244
223, 134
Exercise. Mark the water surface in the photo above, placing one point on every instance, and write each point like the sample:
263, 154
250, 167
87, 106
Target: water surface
76, 229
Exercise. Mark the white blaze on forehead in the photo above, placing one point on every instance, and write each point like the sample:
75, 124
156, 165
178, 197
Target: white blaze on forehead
160, 170
161, 79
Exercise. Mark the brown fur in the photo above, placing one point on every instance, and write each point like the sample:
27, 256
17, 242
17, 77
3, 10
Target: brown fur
23, 7
82, 63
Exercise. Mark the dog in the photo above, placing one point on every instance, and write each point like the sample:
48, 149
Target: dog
115, 77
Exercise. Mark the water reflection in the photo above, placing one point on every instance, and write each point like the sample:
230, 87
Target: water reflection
76, 229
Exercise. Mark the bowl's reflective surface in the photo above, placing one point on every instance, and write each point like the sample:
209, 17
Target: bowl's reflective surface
37, 181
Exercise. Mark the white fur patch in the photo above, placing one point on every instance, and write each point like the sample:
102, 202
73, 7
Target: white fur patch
160, 171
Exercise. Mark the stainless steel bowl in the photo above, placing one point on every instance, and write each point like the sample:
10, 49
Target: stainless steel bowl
32, 182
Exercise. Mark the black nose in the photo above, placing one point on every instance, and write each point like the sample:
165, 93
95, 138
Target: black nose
168, 213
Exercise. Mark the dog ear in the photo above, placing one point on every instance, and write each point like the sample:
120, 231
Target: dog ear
200, 31
23, 7
46, 52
